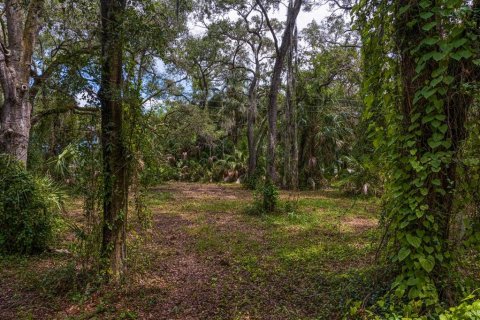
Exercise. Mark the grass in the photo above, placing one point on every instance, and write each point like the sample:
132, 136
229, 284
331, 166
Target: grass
203, 258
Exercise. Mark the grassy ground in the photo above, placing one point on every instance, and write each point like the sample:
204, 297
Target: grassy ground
204, 258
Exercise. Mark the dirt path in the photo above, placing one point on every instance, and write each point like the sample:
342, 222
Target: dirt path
186, 191
195, 285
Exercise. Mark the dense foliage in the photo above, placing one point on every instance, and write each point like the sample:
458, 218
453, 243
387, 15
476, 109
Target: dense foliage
28, 209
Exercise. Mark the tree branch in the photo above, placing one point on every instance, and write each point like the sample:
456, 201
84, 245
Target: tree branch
73, 107
267, 20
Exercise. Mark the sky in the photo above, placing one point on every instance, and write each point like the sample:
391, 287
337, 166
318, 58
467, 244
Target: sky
303, 19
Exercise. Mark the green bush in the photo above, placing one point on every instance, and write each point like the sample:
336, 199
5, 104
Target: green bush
265, 199
27, 209
270, 197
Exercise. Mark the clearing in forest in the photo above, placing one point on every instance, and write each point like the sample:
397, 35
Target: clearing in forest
204, 258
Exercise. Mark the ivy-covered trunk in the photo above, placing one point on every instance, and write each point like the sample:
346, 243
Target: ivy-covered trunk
115, 187
422, 81
432, 114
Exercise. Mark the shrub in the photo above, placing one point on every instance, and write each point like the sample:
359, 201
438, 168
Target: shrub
265, 199
270, 197
27, 209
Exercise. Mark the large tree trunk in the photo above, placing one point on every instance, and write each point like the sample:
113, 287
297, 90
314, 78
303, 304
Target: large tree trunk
15, 124
113, 148
15, 62
293, 11
439, 185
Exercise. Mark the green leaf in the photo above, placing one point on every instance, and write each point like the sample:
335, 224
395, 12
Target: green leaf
437, 56
404, 9
438, 71
429, 26
430, 41
428, 93
403, 253
434, 143
466, 54
369, 100
429, 249
462, 54
412, 281
427, 264
415, 116
448, 79
426, 15
414, 240
459, 42
413, 293
456, 56
443, 128
425, 3
436, 81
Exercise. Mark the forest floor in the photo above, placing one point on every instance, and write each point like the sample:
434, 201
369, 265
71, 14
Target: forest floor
203, 257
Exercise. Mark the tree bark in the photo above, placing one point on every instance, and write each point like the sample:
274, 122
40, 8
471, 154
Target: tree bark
113, 249
15, 61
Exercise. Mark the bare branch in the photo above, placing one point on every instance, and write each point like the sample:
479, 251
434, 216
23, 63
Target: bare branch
267, 20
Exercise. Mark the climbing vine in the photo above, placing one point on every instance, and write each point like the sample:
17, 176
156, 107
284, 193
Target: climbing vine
419, 84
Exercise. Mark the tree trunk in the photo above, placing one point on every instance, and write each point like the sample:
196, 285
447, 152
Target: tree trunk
290, 178
251, 119
115, 185
451, 110
15, 124
274, 87
15, 62
294, 102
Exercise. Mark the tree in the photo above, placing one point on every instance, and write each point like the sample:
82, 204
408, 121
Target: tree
281, 53
115, 188
248, 32
16, 52
420, 73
